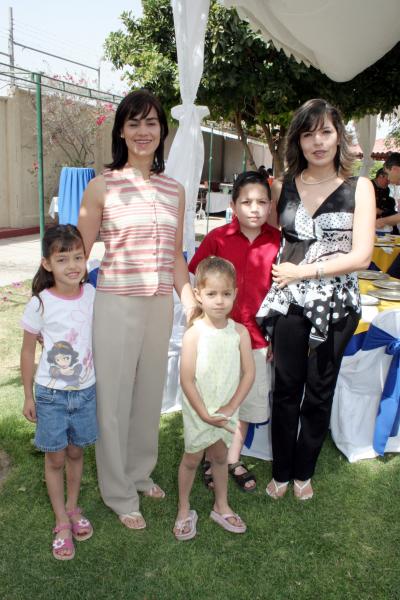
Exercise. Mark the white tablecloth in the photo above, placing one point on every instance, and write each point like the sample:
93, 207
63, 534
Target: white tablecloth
217, 202
53, 208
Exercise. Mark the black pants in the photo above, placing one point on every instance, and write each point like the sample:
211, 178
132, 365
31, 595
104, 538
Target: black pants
313, 372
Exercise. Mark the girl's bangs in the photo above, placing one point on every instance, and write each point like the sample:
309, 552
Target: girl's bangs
66, 245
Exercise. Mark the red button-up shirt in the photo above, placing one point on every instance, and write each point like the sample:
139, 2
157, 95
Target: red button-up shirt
252, 261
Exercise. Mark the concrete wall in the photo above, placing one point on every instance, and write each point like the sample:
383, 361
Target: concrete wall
19, 206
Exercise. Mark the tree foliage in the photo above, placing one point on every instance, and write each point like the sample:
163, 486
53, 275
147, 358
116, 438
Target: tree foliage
246, 81
71, 125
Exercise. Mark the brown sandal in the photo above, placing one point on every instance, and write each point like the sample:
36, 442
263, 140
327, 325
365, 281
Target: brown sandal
243, 478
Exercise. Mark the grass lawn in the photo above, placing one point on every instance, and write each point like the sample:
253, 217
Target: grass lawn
343, 544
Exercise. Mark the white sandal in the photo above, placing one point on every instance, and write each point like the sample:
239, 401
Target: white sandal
132, 515
300, 487
277, 486
155, 492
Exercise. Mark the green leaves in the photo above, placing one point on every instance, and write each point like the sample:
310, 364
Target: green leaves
242, 73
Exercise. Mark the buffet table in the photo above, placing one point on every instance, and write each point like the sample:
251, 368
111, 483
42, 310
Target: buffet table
386, 249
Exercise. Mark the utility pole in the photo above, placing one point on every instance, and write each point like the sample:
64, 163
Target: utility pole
11, 44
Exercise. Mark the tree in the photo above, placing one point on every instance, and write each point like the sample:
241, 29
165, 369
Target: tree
394, 132
246, 81
72, 124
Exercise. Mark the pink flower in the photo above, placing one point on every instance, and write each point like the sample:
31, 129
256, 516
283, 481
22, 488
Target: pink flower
100, 120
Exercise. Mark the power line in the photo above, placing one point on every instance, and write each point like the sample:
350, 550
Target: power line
43, 37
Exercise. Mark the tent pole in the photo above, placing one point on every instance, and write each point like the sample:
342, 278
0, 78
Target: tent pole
210, 158
39, 146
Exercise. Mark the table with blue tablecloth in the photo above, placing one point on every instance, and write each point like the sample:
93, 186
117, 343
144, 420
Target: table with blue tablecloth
73, 182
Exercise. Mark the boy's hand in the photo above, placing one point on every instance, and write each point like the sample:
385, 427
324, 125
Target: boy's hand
29, 410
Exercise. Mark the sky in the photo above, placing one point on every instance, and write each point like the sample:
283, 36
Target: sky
74, 29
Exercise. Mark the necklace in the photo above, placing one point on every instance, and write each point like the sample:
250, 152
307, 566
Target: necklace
316, 182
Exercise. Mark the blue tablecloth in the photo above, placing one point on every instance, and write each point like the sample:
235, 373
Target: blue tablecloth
73, 181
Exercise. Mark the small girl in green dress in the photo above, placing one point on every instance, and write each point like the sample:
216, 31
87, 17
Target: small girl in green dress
217, 372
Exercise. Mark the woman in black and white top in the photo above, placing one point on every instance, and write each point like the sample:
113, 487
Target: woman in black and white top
313, 307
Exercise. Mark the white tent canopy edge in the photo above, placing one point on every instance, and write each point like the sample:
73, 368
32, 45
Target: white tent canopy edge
338, 37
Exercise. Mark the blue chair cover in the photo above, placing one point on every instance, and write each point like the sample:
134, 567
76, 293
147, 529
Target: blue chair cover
373, 266
73, 181
388, 417
250, 433
355, 344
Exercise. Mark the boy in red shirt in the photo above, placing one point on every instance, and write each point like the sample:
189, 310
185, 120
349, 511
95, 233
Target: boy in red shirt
251, 245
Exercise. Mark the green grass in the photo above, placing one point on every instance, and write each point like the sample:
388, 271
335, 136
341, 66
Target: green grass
342, 545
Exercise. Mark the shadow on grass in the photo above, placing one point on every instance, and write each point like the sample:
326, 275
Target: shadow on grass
13, 381
339, 546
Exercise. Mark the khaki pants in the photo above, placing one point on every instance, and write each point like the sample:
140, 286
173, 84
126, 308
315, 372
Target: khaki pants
130, 347
255, 408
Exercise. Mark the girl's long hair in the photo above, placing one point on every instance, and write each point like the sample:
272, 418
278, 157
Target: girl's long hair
307, 118
60, 238
137, 104
212, 265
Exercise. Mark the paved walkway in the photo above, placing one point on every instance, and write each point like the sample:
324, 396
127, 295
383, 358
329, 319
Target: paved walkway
20, 256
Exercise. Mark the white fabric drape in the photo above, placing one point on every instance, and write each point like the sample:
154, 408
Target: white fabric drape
366, 135
186, 156
338, 37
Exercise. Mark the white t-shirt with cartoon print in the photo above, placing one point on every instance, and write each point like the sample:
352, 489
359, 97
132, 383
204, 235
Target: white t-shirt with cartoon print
65, 323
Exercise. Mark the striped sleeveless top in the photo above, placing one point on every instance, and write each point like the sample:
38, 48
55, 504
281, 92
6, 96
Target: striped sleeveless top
138, 228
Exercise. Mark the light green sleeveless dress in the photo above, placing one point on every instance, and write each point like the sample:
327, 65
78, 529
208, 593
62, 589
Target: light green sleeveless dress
217, 379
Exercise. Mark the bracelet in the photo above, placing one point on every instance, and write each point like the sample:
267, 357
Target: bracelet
320, 272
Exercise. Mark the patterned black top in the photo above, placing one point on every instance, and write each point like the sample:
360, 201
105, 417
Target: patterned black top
305, 239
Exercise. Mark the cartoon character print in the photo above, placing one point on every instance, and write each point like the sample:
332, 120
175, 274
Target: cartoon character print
64, 365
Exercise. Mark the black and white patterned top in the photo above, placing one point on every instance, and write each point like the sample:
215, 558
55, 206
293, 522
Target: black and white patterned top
305, 239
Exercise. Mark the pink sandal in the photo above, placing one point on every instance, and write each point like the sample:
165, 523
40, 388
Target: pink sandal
80, 528
188, 523
223, 521
61, 544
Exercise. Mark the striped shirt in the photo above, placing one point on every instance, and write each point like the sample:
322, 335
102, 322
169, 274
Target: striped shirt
138, 228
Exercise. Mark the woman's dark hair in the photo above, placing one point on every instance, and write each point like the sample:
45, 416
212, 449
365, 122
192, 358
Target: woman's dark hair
137, 103
246, 178
307, 118
64, 348
60, 238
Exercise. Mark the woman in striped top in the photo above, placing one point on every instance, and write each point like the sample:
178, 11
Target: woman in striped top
139, 214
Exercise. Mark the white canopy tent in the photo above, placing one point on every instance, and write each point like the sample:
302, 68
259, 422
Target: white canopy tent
339, 37
186, 156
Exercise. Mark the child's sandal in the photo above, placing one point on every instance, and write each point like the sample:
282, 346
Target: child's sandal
60, 545
82, 529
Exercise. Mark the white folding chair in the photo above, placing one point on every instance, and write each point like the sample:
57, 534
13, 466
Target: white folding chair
358, 392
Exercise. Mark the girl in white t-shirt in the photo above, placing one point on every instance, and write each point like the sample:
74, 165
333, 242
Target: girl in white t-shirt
64, 403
